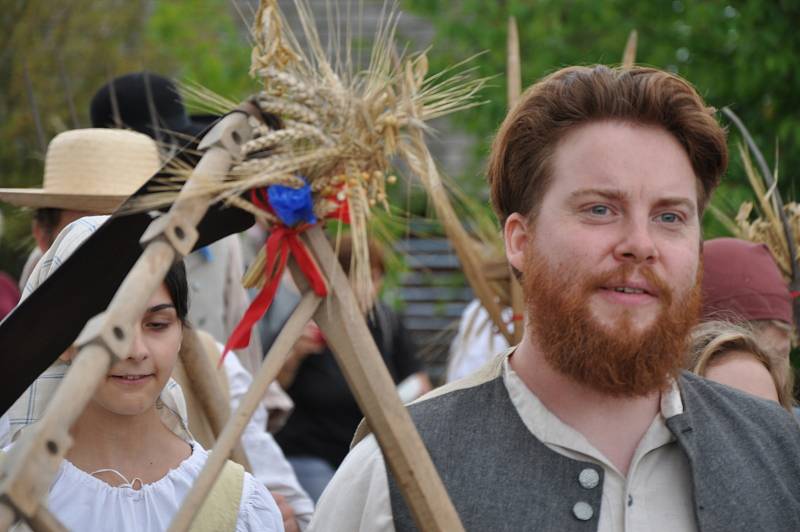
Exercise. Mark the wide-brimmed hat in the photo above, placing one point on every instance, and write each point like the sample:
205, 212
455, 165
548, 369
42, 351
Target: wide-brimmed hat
92, 170
144, 102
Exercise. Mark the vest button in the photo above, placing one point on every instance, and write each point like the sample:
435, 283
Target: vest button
589, 478
582, 510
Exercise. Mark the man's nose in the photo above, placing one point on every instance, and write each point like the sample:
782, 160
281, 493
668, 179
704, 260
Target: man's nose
636, 243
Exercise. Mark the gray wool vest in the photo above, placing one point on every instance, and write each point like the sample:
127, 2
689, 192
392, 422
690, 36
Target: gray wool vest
744, 455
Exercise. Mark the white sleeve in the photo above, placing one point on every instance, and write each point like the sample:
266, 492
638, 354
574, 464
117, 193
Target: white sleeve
258, 511
357, 497
270, 466
475, 342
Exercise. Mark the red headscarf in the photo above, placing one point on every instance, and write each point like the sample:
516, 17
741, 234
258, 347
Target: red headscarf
741, 281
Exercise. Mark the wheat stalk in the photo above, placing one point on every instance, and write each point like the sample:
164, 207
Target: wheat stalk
341, 127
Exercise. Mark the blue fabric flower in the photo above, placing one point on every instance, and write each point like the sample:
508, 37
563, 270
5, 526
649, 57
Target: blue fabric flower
292, 205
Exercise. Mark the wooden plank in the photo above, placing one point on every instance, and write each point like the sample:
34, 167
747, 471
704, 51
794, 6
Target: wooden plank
433, 262
432, 278
424, 245
428, 324
362, 365
434, 310
436, 293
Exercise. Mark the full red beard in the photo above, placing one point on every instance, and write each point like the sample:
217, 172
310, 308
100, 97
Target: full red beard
617, 360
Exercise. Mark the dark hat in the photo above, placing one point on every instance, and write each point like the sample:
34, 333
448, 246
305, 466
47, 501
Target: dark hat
741, 281
144, 102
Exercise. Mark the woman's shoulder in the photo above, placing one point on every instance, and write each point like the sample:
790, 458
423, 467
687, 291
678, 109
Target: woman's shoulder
257, 510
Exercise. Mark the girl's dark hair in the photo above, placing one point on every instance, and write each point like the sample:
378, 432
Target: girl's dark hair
178, 289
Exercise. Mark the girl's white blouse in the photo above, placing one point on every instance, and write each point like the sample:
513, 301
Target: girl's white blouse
83, 502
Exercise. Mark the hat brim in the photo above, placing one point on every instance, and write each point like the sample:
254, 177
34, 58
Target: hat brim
39, 198
46, 323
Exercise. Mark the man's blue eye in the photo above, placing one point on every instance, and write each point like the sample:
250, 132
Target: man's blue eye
670, 217
599, 210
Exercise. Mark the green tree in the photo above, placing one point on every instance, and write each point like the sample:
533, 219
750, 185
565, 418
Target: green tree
742, 54
55, 55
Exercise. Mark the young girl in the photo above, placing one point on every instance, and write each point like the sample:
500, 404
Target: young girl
127, 470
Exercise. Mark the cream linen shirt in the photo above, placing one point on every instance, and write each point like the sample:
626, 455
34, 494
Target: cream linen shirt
655, 497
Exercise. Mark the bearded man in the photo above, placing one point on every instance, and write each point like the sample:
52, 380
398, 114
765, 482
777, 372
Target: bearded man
599, 177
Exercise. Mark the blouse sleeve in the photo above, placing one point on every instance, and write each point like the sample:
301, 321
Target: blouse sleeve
258, 510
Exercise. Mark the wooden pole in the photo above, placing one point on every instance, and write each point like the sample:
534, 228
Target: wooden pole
629, 55
513, 68
514, 74
777, 202
202, 376
347, 334
33, 462
44, 521
232, 432
422, 164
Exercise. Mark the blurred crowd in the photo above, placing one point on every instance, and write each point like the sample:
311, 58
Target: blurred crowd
302, 432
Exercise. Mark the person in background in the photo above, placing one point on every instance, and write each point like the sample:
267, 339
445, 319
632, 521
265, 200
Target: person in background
317, 435
133, 460
730, 354
86, 172
151, 104
476, 341
743, 285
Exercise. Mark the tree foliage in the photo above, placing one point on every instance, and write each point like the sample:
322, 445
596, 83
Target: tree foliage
739, 54
55, 55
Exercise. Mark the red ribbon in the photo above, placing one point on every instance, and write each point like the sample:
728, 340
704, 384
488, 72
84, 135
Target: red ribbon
282, 242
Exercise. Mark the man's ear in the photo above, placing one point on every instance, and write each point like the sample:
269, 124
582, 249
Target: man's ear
517, 236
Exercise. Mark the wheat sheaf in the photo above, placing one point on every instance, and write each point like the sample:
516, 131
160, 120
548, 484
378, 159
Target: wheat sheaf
340, 128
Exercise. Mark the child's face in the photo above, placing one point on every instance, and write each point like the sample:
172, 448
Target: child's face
134, 383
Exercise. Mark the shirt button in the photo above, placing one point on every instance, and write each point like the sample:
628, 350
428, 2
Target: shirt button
582, 510
589, 478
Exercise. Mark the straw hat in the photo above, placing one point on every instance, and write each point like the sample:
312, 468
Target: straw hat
92, 170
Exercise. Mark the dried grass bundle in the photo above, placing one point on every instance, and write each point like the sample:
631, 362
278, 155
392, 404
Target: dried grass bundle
777, 225
341, 128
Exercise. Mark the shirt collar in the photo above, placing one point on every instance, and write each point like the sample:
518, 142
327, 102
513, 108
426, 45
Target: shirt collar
550, 430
